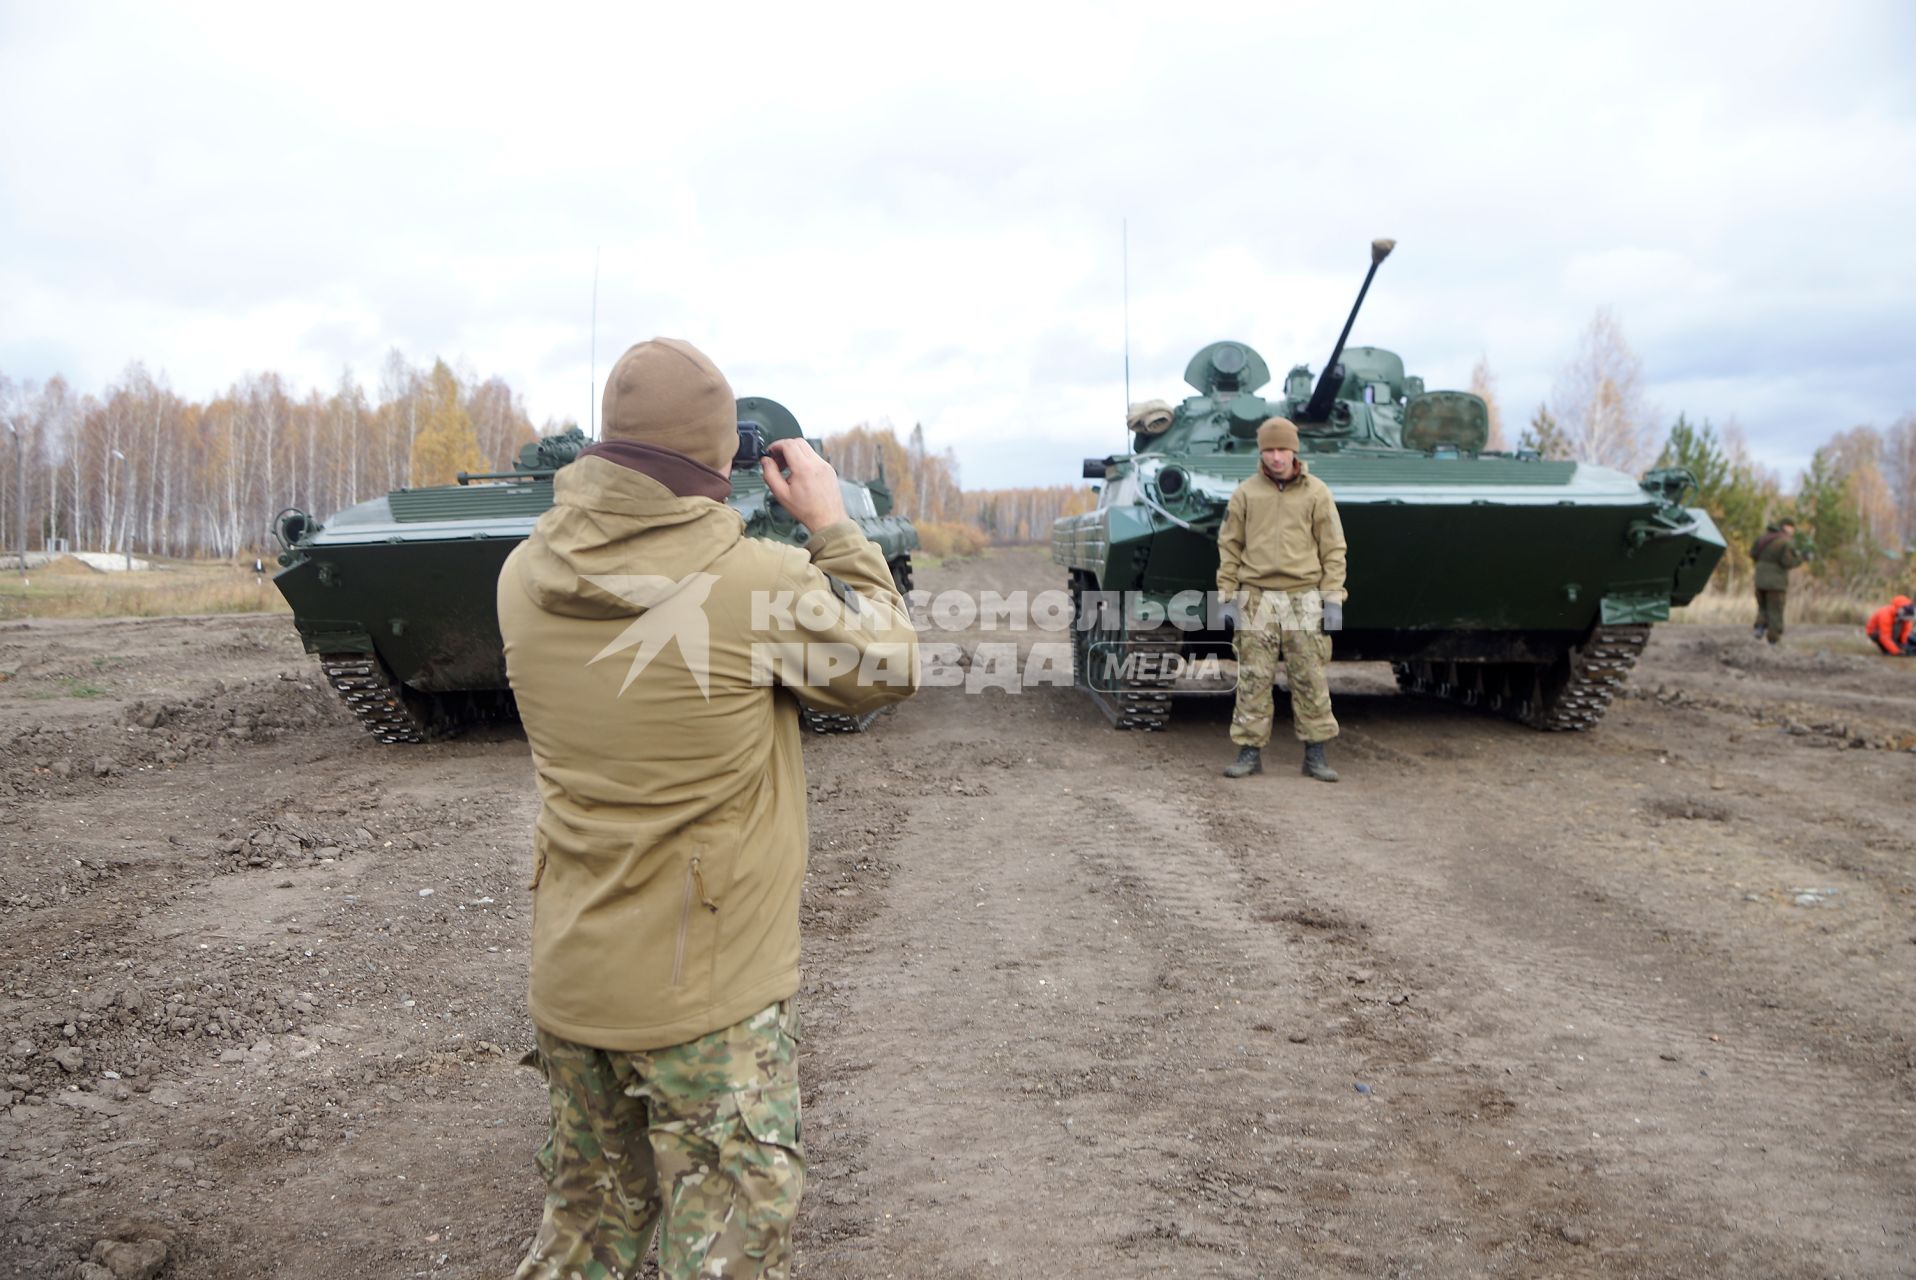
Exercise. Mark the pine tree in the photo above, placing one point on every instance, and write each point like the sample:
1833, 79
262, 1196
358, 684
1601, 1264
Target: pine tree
1736, 493
1545, 437
1696, 449
1827, 510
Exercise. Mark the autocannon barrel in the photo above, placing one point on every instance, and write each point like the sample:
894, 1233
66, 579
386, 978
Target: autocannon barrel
1318, 409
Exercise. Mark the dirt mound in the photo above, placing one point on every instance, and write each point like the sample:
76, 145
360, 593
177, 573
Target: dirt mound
1742, 652
67, 566
163, 732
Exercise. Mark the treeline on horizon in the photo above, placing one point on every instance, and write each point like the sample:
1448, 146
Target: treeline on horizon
139, 469
142, 470
950, 519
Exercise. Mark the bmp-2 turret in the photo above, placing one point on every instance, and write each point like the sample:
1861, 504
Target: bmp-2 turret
1490, 577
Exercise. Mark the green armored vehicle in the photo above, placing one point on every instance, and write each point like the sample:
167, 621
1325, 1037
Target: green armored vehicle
395, 595
1496, 578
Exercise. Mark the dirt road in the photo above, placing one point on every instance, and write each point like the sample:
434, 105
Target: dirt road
1629, 1003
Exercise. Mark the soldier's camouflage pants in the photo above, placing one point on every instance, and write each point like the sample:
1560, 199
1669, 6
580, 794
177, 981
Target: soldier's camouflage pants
1261, 643
703, 1135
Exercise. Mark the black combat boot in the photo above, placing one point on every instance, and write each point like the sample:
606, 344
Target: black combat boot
1315, 766
1248, 762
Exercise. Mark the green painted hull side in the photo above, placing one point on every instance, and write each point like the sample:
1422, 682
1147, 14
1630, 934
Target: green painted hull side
1416, 569
426, 608
427, 605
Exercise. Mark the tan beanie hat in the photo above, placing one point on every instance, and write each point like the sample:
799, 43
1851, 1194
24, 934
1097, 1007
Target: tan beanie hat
665, 393
1277, 433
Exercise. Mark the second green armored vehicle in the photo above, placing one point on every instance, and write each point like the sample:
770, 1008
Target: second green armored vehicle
395, 595
1524, 584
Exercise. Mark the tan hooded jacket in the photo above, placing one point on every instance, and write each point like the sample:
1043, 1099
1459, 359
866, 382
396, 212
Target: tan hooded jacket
671, 839
1287, 539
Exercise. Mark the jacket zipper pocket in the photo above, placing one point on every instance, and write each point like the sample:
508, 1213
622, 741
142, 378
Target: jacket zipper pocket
685, 924
694, 896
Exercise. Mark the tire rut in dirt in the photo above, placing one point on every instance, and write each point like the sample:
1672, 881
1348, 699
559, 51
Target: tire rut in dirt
1617, 1013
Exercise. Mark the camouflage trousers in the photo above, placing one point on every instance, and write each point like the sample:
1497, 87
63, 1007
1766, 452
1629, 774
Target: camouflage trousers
1261, 644
700, 1140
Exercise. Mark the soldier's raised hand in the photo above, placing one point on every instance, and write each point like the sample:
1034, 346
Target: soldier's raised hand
811, 491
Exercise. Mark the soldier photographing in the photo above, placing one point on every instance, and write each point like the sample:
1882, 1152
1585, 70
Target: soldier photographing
671, 839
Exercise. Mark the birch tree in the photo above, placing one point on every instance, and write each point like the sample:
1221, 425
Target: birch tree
1899, 470
347, 410
1598, 398
13, 460
1484, 385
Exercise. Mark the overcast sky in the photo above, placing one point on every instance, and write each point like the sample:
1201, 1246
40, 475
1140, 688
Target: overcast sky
913, 212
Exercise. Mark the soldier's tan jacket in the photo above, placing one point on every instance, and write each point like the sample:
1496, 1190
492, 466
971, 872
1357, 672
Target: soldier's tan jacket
1282, 539
671, 837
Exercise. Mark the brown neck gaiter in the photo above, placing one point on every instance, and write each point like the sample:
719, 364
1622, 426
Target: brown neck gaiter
685, 477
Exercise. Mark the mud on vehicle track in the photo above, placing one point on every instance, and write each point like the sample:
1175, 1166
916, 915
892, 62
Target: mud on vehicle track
1634, 1002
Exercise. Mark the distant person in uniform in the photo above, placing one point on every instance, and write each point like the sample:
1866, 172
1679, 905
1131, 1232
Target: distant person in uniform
1281, 574
671, 839
1774, 554
1893, 628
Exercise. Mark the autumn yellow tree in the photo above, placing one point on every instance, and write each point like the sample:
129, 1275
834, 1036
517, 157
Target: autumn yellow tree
1484, 384
447, 444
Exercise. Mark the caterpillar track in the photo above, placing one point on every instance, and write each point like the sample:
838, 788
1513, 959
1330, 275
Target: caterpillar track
833, 721
390, 712
369, 691
1566, 696
1123, 670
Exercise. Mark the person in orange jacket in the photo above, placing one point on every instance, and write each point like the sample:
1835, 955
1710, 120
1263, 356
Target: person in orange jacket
1891, 627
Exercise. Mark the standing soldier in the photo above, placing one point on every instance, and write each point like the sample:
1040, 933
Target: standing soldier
640, 625
1281, 572
1774, 554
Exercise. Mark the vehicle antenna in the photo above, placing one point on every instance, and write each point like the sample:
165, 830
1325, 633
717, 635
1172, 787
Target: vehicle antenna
592, 392
1125, 234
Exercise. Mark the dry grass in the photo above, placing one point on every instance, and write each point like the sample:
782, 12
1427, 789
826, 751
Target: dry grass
1809, 604
949, 540
172, 589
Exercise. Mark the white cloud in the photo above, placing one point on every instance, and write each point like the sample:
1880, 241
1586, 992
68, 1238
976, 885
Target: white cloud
875, 212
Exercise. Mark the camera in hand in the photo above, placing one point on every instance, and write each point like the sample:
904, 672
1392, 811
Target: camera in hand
751, 446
